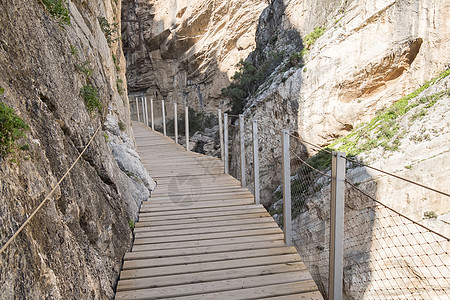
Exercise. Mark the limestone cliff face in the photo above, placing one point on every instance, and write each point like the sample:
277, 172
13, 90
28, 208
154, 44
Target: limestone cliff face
371, 54
73, 247
423, 149
188, 49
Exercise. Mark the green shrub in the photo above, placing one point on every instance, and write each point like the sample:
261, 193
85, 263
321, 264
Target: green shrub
312, 37
74, 50
2, 90
430, 215
131, 224
248, 78
119, 86
116, 63
12, 128
198, 121
85, 68
122, 126
108, 29
58, 10
91, 98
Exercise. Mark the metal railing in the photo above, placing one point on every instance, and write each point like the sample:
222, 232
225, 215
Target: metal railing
48, 197
178, 123
347, 236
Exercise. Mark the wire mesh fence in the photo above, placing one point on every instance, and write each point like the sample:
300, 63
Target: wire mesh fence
390, 256
310, 196
386, 255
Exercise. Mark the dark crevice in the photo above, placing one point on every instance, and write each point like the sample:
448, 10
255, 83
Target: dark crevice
50, 105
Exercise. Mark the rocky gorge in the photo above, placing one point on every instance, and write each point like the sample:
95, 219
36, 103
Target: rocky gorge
323, 69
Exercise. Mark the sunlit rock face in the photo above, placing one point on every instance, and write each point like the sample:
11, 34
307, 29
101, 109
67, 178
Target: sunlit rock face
187, 50
371, 54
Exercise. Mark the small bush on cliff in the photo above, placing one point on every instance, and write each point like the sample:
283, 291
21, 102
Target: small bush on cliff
198, 121
122, 126
58, 10
119, 82
312, 37
89, 93
248, 78
245, 82
108, 29
85, 68
12, 128
116, 63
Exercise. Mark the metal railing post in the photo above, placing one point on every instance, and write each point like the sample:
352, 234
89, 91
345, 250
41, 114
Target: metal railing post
219, 113
242, 145
336, 226
175, 121
287, 228
186, 127
143, 109
256, 191
225, 142
151, 113
163, 117
137, 109
146, 111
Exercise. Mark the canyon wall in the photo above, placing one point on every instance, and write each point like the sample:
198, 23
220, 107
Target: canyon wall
186, 51
73, 247
371, 54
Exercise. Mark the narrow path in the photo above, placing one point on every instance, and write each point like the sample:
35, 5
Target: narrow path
200, 235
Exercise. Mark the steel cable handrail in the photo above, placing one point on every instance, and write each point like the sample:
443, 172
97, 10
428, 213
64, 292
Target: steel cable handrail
48, 196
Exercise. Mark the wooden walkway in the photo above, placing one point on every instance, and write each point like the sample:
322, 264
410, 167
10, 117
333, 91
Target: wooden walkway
200, 235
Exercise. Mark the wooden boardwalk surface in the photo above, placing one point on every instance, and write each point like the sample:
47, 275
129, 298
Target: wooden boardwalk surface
200, 235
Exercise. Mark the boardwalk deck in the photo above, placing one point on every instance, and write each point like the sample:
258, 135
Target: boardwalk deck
200, 236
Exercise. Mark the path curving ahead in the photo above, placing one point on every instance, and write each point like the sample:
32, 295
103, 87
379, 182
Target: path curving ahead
200, 235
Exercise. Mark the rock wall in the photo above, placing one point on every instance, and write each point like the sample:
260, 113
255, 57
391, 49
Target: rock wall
187, 50
378, 243
74, 245
371, 54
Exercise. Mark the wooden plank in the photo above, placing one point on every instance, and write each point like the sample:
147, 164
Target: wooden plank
209, 266
198, 258
216, 286
161, 281
186, 209
199, 196
164, 191
202, 250
204, 229
157, 216
269, 290
206, 236
191, 204
188, 173
300, 296
189, 191
195, 220
197, 225
211, 242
